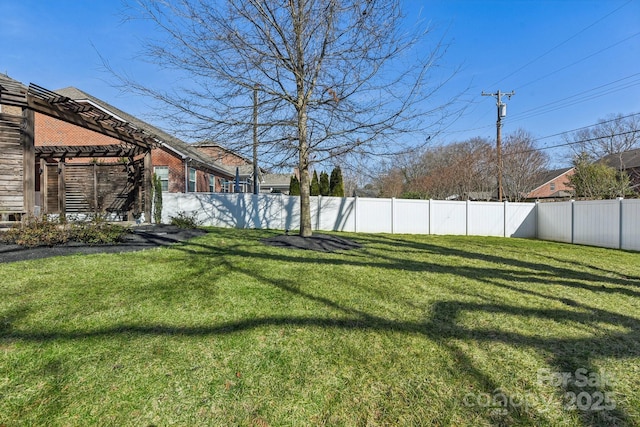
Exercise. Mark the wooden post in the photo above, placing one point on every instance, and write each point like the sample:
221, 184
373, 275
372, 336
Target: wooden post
147, 183
44, 182
95, 189
62, 190
29, 161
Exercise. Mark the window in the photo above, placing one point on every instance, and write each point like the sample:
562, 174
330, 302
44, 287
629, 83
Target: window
552, 186
162, 172
212, 184
192, 180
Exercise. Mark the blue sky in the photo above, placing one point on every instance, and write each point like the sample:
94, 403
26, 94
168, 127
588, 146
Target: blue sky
571, 62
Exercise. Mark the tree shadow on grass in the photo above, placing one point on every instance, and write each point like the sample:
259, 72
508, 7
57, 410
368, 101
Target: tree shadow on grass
444, 325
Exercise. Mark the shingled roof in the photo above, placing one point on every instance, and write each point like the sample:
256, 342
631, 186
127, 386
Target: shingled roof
171, 142
625, 160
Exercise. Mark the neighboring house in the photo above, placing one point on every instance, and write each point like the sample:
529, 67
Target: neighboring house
275, 183
48, 172
628, 161
234, 162
180, 166
552, 184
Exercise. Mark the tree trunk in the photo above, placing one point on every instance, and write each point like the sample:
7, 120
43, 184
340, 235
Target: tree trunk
305, 205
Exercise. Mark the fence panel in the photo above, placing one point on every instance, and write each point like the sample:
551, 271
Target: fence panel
337, 213
260, 210
290, 212
411, 216
520, 220
448, 217
597, 223
218, 210
485, 219
555, 221
630, 227
374, 215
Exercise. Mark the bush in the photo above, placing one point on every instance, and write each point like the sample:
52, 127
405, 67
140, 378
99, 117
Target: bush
42, 232
97, 232
184, 220
36, 232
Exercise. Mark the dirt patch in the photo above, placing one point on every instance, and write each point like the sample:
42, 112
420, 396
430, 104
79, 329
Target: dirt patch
141, 237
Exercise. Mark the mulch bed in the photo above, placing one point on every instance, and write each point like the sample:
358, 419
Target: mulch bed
317, 242
141, 237
153, 236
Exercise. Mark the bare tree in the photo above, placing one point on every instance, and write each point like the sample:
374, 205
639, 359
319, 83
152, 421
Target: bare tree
611, 136
456, 170
522, 164
335, 78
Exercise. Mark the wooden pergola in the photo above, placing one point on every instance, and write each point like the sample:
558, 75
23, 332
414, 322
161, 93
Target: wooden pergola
135, 143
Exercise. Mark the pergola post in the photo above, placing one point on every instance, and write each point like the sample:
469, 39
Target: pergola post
62, 190
148, 186
29, 161
44, 186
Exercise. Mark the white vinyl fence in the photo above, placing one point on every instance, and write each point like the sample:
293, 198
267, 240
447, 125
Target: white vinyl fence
606, 223
281, 212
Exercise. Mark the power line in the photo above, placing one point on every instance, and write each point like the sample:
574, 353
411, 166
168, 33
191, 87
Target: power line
566, 144
580, 60
561, 43
588, 126
535, 111
550, 110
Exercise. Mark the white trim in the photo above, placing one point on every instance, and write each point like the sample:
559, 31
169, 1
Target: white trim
100, 107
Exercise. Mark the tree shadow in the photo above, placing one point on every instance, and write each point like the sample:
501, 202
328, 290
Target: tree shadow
445, 323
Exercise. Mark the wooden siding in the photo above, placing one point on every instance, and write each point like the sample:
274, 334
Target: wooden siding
11, 165
94, 188
52, 205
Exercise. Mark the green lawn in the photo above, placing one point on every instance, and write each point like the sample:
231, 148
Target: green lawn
409, 330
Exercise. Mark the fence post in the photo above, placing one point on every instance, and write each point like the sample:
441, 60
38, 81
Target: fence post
393, 214
430, 217
620, 234
573, 220
466, 219
504, 219
319, 199
355, 214
536, 215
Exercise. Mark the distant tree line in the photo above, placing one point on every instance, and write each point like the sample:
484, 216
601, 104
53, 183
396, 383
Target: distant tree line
468, 169
465, 170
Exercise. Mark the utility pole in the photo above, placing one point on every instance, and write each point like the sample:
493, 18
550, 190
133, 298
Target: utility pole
502, 112
256, 174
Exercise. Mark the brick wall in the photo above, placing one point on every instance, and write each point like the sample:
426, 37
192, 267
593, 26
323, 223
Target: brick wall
162, 157
50, 131
223, 156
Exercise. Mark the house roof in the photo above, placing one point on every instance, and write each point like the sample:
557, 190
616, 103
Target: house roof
204, 144
276, 179
625, 160
548, 176
180, 147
